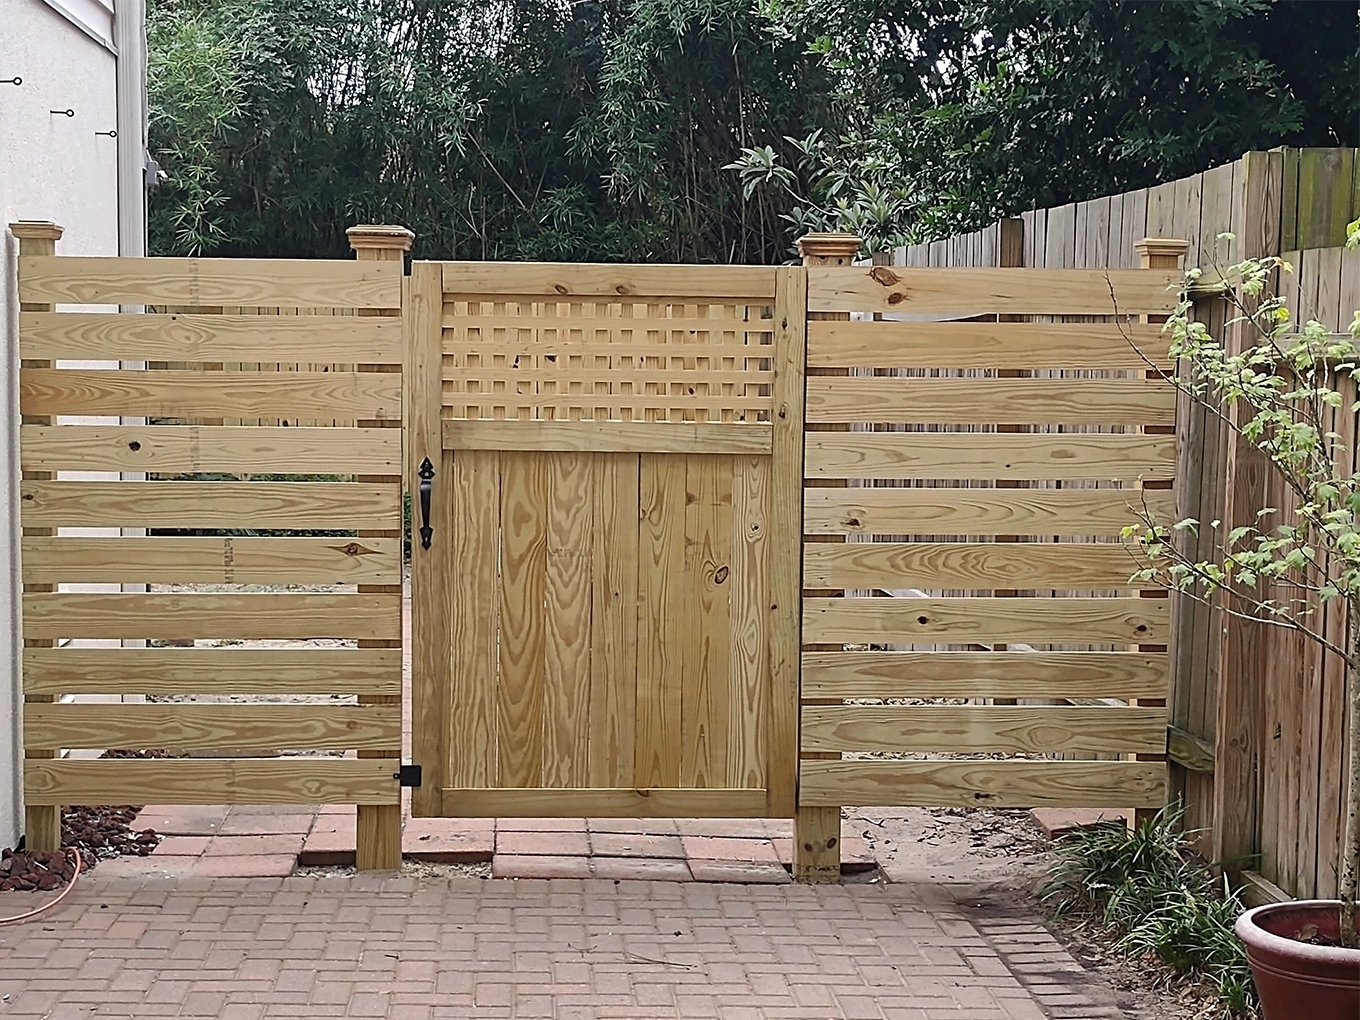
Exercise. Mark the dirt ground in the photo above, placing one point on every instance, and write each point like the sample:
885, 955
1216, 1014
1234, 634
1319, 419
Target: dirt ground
996, 860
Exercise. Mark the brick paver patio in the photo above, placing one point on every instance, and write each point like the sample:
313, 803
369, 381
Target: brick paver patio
413, 949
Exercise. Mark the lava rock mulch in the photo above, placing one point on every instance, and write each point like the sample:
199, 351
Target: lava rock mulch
99, 833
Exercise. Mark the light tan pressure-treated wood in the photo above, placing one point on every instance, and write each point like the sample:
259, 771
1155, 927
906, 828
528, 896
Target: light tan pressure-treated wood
243, 370
212, 671
976, 566
165, 504
607, 437
215, 781
274, 283
1110, 784
1091, 345
967, 292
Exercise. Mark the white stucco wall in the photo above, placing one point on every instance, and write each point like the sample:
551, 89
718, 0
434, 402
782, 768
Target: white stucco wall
52, 167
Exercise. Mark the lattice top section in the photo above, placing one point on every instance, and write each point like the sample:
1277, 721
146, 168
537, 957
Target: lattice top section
664, 344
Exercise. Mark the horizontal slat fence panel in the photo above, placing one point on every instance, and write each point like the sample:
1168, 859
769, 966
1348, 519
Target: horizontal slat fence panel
174, 281
966, 591
186, 336
214, 560
206, 586
219, 781
961, 293
169, 394
176, 449
994, 784
259, 728
212, 671
1051, 512
223, 505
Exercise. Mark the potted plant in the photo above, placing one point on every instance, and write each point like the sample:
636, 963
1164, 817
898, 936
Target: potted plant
1279, 387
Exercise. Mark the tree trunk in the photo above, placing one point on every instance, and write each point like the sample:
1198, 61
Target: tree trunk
1350, 853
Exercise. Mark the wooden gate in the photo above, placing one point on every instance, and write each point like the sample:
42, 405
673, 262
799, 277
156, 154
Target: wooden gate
605, 615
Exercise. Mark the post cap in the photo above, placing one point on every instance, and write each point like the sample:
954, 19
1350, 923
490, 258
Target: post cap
380, 235
830, 245
37, 230
1151, 247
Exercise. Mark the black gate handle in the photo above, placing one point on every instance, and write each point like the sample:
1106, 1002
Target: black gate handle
426, 473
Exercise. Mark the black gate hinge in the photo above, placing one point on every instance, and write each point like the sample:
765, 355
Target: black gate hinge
407, 775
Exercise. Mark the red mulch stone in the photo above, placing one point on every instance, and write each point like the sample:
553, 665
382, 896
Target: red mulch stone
25, 871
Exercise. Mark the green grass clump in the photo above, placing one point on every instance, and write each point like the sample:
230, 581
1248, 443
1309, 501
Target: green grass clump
1163, 900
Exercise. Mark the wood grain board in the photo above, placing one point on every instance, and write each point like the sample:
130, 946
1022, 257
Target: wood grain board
987, 620
176, 449
969, 511
976, 728
175, 394
180, 337
192, 615
608, 436
990, 456
567, 282
227, 560
260, 728
975, 566
214, 781
1084, 675
1009, 784
983, 401
961, 292
887, 344
274, 283
165, 504
212, 671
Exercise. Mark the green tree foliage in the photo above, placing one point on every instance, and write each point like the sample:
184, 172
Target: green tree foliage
708, 130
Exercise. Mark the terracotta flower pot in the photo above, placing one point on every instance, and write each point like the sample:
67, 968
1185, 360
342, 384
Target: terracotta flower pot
1298, 980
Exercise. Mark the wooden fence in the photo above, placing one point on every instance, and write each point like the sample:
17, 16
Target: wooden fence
197, 608
1257, 720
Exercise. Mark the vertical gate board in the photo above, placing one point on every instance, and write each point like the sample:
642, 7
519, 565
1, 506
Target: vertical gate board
473, 551
614, 620
748, 679
708, 553
663, 601
524, 506
566, 703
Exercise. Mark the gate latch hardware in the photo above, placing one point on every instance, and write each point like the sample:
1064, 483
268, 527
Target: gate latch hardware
426, 473
407, 775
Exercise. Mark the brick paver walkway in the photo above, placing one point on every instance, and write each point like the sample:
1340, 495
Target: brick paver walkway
433, 948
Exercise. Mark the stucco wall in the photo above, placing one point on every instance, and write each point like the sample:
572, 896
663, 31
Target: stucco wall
52, 167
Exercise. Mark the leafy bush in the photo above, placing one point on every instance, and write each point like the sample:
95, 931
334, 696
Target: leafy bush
1151, 886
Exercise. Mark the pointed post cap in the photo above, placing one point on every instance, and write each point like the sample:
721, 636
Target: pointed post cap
37, 230
831, 245
380, 236
1161, 248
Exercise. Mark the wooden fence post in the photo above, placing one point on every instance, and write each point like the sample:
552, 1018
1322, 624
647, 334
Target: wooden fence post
1156, 253
378, 826
817, 830
42, 824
